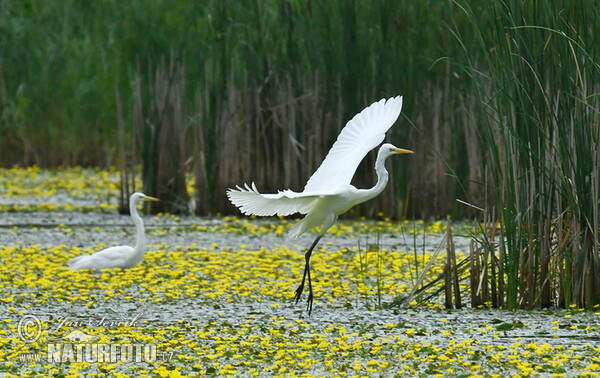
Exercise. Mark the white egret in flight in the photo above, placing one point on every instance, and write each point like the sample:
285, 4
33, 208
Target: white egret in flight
328, 192
122, 256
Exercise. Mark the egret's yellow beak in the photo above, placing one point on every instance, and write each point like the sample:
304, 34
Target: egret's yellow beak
148, 198
402, 151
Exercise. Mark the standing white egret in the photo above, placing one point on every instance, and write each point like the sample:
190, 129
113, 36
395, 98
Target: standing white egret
122, 256
328, 192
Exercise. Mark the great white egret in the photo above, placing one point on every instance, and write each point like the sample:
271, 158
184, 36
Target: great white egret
122, 256
328, 192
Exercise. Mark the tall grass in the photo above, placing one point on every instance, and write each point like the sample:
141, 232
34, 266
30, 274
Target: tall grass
267, 86
163, 133
534, 69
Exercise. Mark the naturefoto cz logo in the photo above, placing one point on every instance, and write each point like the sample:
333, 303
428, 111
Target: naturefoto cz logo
78, 346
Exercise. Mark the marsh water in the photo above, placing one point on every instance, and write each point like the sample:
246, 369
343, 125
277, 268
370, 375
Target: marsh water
86, 230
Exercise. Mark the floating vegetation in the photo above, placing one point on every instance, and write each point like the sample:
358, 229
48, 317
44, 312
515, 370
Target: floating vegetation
218, 311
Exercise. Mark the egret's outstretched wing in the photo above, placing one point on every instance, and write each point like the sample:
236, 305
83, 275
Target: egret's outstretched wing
360, 135
287, 202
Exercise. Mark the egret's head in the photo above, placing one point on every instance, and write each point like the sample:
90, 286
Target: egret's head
389, 149
137, 196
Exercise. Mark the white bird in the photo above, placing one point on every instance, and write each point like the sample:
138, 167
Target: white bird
328, 192
122, 256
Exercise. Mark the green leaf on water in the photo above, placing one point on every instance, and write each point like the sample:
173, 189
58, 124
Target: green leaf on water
211, 370
505, 327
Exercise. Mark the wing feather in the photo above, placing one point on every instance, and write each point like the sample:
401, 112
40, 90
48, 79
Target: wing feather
360, 135
287, 202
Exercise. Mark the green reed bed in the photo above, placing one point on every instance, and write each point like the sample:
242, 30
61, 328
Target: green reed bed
534, 73
261, 89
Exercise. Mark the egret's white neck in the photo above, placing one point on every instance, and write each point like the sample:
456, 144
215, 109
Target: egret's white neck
382, 176
382, 173
140, 240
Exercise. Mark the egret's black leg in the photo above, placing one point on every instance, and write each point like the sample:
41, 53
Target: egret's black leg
300, 288
309, 301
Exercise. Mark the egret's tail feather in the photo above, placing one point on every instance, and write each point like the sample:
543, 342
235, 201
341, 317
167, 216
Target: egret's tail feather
296, 229
77, 262
74, 260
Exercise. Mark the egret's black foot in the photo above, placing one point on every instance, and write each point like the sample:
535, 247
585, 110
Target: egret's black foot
309, 302
299, 291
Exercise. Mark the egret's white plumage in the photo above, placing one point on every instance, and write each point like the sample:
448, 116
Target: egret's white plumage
328, 193
122, 256
360, 135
